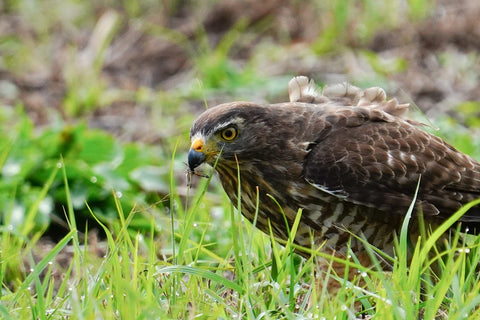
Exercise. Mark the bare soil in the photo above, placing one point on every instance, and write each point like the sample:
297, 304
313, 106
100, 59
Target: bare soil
441, 54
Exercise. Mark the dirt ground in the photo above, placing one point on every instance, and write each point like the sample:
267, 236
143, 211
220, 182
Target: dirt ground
441, 55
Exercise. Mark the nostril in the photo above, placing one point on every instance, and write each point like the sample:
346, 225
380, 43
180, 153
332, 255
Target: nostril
197, 145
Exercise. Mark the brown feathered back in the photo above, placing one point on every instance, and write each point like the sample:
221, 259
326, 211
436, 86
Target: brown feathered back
375, 157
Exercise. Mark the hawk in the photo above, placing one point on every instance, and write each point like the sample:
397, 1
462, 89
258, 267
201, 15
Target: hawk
347, 157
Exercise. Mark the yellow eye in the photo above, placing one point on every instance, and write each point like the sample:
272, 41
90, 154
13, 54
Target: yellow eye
229, 134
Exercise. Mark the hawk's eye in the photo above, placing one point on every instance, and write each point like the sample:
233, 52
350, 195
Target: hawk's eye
229, 134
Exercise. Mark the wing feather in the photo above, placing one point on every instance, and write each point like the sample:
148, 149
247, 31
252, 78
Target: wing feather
375, 159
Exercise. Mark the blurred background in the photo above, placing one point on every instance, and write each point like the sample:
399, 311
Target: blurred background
107, 90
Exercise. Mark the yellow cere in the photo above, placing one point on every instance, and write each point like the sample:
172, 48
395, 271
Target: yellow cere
197, 145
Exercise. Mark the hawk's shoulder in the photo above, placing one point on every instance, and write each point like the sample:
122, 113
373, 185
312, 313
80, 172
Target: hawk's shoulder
374, 156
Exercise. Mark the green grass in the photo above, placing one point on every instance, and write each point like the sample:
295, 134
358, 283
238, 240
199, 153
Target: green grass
205, 261
255, 278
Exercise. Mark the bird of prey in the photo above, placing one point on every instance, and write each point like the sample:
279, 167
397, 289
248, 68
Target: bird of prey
347, 157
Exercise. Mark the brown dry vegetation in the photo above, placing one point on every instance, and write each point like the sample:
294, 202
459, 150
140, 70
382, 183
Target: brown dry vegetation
438, 55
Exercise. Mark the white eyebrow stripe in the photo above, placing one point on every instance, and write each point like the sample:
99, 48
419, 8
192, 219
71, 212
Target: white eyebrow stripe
225, 124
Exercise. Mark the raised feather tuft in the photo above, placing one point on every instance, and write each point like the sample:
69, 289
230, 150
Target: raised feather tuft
342, 90
301, 89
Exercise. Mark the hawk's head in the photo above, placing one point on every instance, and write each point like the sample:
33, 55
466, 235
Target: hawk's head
239, 131
219, 130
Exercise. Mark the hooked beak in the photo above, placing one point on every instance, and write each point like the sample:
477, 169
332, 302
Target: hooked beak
196, 155
195, 159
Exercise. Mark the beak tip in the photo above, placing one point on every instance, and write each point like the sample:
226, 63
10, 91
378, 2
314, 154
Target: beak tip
195, 159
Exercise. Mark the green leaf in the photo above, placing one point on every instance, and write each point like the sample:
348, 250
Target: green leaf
206, 274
